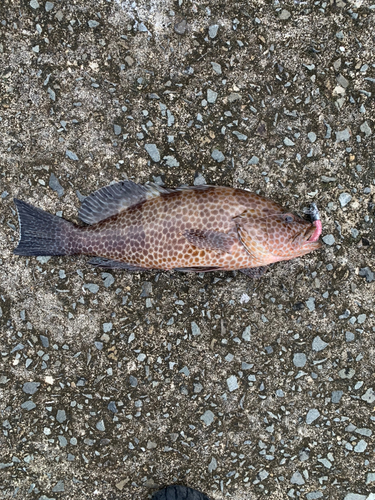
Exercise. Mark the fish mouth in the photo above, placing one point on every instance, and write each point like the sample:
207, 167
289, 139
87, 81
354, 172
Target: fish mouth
307, 234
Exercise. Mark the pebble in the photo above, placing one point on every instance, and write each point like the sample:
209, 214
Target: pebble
254, 160
311, 136
347, 373
310, 303
355, 496
217, 155
314, 495
329, 239
49, 6
336, 396
28, 405
34, 4
297, 478
343, 135
91, 287
344, 199
288, 142
240, 137
318, 344
108, 279
44, 340
212, 465
367, 273
365, 128
107, 327
180, 27
100, 426
92, 23
369, 396
212, 30
133, 381
211, 96
246, 334
59, 486
71, 155
117, 129
195, 330
199, 180
30, 387
232, 383
284, 15
299, 359
153, 151
216, 67
61, 416
55, 185
171, 161
208, 417
312, 415
360, 446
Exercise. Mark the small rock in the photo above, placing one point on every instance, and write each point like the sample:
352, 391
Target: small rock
299, 359
311, 136
355, 496
343, 135
107, 327
151, 445
284, 14
199, 180
195, 330
344, 199
208, 417
28, 405
211, 96
91, 287
240, 137
180, 27
310, 303
341, 80
312, 415
329, 239
71, 155
216, 67
59, 486
133, 381
108, 279
100, 426
246, 334
234, 97
254, 160
347, 373
217, 155
232, 383
49, 6
34, 4
336, 396
212, 30
117, 129
213, 465
369, 396
153, 151
61, 416
365, 128
367, 273
92, 23
30, 387
288, 142
360, 446
318, 344
297, 478
55, 185
171, 161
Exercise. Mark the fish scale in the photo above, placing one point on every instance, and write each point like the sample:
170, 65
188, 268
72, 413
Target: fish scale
200, 228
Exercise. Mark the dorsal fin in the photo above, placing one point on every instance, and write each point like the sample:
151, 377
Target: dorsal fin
113, 199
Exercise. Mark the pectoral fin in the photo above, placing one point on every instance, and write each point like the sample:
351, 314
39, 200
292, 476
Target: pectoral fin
210, 240
255, 272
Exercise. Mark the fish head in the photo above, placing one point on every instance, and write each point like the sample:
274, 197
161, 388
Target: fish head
276, 237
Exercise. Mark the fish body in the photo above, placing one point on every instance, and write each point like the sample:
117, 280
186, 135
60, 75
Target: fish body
200, 228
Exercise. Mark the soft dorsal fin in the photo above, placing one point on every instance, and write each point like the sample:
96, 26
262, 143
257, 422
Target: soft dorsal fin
113, 199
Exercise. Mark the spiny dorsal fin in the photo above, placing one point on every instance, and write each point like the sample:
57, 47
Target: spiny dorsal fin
113, 199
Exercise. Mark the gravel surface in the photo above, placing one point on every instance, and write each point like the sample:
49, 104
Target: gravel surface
115, 384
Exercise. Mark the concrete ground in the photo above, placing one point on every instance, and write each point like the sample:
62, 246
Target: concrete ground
114, 384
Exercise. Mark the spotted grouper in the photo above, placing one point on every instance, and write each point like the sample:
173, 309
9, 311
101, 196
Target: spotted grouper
200, 228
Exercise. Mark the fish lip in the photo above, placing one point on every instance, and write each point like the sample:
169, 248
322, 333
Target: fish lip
308, 233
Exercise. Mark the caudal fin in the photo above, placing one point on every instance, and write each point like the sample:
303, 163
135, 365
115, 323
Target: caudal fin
42, 233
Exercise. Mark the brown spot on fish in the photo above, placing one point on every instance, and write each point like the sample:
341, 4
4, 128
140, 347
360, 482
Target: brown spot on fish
200, 228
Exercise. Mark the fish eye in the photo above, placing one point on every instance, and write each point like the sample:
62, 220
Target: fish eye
288, 218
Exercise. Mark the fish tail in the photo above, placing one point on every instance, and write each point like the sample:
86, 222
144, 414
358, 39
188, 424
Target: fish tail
42, 233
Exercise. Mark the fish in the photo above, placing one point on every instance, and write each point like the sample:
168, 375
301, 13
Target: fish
199, 228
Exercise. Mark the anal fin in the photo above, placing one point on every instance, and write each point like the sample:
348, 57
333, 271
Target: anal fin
115, 264
196, 269
210, 240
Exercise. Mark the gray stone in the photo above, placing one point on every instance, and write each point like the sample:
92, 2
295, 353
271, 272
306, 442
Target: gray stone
199, 180
361, 446
49, 6
240, 137
344, 199
153, 151
100, 425
71, 155
310, 303
107, 327
347, 373
318, 344
195, 330
232, 383
62, 441
180, 27
133, 381
117, 129
108, 279
361, 318
297, 478
369, 396
211, 96
30, 387
92, 23
329, 239
59, 486
34, 4
216, 67
217, 155
336, 396
343, 135
314, 495
370, 477
208, 417
299, 359
246, 334
367, 273
284, 15
213, 465
28, 405
254, 160
311, 136
288, 142
365, 128
312, 415
91, 287
341, 80
61, 416
212, 30
171, 161
55, 185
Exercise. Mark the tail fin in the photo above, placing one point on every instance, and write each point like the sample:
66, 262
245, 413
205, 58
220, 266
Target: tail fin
42, 233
